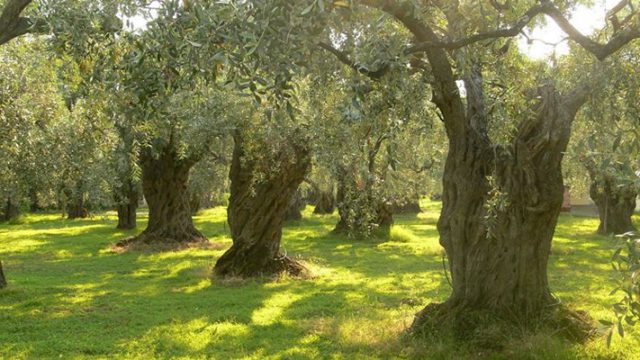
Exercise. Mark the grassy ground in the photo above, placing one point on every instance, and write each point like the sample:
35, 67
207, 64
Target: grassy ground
70, 297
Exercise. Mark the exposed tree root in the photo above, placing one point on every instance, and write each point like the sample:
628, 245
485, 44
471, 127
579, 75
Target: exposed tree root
156, 241
488, 330
235, 266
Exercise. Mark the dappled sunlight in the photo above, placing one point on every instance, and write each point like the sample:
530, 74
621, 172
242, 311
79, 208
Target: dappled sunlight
364, 294
273, 308
182, 337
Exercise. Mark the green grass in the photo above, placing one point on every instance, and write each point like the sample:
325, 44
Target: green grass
70, 297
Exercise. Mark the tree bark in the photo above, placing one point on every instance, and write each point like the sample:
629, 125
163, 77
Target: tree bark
616, 204
164, 185
75, 203
11, 210
342, 224
195, 200
256, 212
325, 202
296, 204
498, 236
127, 206
362, 215
35, 202
3, 280
410, 205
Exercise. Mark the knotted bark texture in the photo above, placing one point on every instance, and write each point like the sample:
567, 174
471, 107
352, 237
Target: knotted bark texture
164, 184
257, 210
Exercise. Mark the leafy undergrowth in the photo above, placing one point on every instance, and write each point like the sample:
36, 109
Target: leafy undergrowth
71, 297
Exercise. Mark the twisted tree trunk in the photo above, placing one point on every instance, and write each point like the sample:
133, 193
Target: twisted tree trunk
164, 184
498, 236
256, 212
615, 202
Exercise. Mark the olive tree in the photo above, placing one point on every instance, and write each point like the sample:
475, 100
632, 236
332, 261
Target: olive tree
502, 191
165, 84
606, 143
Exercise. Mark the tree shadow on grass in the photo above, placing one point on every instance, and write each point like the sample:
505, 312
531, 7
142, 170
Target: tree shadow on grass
69, 296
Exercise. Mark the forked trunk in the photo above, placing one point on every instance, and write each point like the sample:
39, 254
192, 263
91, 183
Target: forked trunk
3, 280
616, 204
497, 236
256, 212
164, 184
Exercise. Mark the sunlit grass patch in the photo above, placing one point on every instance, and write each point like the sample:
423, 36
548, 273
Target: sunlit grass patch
69, 297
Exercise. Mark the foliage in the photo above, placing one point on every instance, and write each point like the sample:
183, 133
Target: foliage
626, 262
31, 108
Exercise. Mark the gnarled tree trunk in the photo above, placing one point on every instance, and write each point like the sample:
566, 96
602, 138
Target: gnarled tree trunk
362, 215
164, 185
498, 236
256, 212
616, 204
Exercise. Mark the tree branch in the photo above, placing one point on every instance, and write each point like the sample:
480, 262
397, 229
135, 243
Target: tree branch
600, 51
13, 25
500, 33
344, 58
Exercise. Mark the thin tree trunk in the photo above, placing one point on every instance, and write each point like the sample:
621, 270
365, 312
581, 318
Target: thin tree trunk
194, 202
343, 212
127, 208
164, 184
11, 210
256, 212
75, 203
616, 204
3, 280
35, 203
